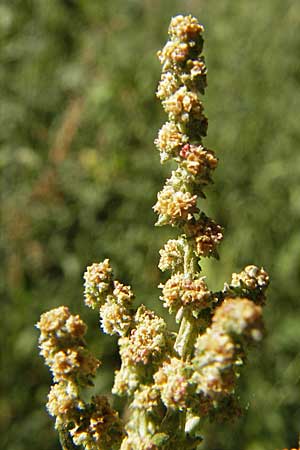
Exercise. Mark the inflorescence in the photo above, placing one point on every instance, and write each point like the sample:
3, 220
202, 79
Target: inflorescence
172, 380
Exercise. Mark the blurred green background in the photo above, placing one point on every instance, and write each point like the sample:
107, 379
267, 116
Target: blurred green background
79, 176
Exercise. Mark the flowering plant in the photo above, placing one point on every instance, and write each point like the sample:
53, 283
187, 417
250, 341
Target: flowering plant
172, 380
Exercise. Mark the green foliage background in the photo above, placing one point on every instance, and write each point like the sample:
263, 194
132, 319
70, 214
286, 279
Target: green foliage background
79, 173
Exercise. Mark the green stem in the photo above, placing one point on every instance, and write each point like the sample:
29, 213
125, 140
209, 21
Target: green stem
186, 333
186, 336
190, 263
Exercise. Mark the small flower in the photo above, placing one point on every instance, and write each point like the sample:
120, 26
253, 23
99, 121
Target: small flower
185, 28
53, 322
63, 403
206, 234
183, 104
198, 161
174, 206
123, 294
173, 382
114, 318
214, 362
169, 141
193, 75
63, 348
197, 68
182, 290
127, 379
74, 363
252, 277
99, 427
239, 317
75, 326
147, 398
147, 341
172, 255
98, 283
167, 85
251, 282
173, 53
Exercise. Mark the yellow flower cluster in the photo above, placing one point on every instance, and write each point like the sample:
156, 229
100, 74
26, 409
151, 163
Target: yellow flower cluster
147, 340
172, 255
218, 352
63, 348
198, 161
174, 207
97, 283
181, 290
112, 298
93, 425
172, 379
169, 141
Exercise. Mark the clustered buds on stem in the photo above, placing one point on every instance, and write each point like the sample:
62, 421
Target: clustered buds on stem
172, 380
93, 425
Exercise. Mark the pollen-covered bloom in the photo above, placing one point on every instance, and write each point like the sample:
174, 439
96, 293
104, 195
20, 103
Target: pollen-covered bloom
173, 381
97, 283
198, 161
63, 347
183, 104
214, 363
239, 317
252, 281
169, 141
114, 317
59, 323
206, 235
172, 255
173, 53
147, 398
168, 84
64, 403
75, 362
173, 206
197, 68
100, 428
185, 28
182, 290
147, 340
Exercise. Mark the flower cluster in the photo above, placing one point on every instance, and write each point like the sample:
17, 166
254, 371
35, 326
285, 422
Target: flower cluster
171, 379
112, 298
183, 80
181, 290
251, 283
219, 351
94, 425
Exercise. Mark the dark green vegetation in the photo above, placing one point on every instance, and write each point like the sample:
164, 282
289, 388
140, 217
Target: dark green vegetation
80, 174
